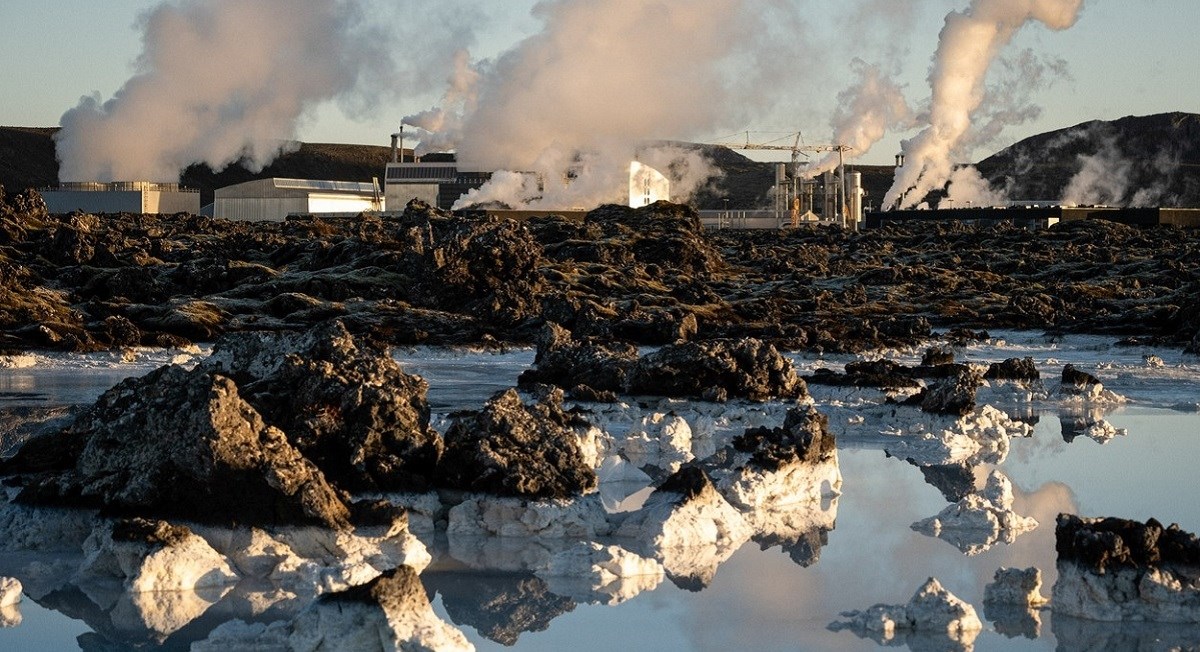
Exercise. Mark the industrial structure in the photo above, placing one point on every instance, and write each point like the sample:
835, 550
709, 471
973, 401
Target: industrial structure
121, 197
274, 199
434, 179
794, 193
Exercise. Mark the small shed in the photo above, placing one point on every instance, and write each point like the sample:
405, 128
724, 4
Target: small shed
274, 199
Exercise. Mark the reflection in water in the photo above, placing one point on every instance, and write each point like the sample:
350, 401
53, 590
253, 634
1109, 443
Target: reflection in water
1078, 635
955, 481
500, 606
1013, 621
759, 600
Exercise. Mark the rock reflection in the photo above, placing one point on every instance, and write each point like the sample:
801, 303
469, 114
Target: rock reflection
10, 616
1080, 422
1079, 635
1013, 621
980, 520
500, 606
955, 481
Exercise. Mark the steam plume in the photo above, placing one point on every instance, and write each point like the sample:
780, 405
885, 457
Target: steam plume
599, 80
968, 44
219, 81
865, 113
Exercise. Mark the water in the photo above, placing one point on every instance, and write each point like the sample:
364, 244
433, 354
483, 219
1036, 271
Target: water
763, 599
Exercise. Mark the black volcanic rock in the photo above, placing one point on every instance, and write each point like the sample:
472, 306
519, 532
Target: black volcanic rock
717, 370
566, 362
1074, 378
1013, 369
512, 449
345, 404
177, 444
804, 438
954, 395
1099, 544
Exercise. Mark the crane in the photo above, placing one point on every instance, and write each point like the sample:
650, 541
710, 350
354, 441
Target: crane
798, 148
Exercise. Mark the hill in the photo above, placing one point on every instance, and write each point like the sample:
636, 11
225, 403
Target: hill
1135, 161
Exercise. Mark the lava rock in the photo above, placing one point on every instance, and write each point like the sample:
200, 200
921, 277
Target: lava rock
512, 449
1103, 543
804, 438
343, 402
566, 362
954, 395
717, 370
1013, 369
178, 444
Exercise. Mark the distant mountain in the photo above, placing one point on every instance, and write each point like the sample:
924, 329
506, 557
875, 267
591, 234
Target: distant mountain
1135, 161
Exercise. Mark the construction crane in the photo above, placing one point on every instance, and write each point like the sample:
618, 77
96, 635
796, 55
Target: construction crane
798, 148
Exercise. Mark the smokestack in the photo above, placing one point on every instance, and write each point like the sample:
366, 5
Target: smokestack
900, 160
395, 148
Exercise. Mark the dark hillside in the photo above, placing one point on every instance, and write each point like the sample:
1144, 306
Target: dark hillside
27, 158
1139, 161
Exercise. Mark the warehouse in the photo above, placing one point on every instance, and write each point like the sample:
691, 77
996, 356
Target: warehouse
274, 199
122, 197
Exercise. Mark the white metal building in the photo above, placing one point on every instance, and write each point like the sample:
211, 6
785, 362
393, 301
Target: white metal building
274, 199
122, 197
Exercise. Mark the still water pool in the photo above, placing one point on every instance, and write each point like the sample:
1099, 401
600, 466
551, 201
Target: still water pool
759, 598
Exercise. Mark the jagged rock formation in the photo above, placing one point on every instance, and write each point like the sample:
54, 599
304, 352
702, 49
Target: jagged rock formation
513, 449
932, 611
178, 444
350, 409
1118, 570
717, 370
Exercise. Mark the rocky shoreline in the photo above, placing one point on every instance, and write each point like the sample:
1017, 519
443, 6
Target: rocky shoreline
649, 276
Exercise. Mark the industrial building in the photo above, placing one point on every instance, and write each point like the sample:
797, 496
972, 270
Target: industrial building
122, 197
274, 199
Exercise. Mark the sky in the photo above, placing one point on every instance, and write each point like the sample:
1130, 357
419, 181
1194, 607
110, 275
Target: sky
1120, 58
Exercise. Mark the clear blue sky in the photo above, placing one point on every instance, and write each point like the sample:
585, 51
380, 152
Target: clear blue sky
1125, 58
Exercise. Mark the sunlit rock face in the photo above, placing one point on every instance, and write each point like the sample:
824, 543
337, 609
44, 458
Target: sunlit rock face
933, 613
345, 404
980, 520
10, 591
512, 449
149, 556
1118, 570
977, 438
178, 444
688, 526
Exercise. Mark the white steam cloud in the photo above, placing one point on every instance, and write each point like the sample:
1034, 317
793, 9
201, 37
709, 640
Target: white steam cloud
219, 81
865, 114
968, 44
580, 98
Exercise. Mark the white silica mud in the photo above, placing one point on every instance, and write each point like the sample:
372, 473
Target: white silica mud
761, 558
